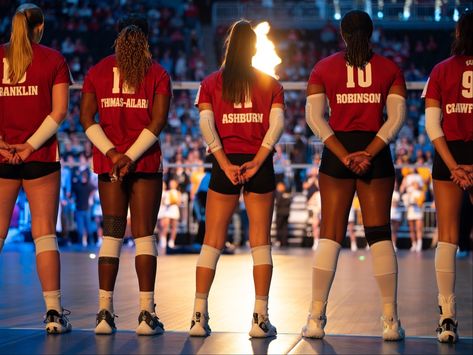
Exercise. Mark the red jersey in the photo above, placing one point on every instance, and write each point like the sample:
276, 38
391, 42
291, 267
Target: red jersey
356, 96
241, 127
451, 83
124, 113
24, 106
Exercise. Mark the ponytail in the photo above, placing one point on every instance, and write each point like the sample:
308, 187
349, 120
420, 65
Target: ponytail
19, 51
133, 55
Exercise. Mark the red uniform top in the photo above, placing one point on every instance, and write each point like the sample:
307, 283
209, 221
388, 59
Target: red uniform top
451, 83
124, 114
241, 127
356, 96
24, 106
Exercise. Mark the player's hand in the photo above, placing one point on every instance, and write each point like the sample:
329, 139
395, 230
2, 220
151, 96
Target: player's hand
233, 173
121, 168
461, 177
468, 169
359, 162
22, 152
113, 155
248, 170
6, 151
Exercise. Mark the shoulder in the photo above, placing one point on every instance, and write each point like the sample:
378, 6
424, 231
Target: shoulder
158, 69
334, 59
384, 62
213, 78
47, 53
452, 61
266, 80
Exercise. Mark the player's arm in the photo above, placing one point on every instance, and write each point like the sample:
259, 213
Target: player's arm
274, 132
212, 139
315, 117
396, 112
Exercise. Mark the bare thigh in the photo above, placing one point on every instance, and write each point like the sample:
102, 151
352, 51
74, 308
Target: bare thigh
8, 193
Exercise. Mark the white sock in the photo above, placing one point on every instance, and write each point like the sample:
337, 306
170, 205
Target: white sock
201, 303
261, 305
106, 300
52, 299
147, 301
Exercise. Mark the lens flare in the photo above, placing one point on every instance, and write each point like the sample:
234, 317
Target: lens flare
266, 59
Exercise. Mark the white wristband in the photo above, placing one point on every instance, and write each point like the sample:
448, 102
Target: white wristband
207, 127
45, 131
314, 115
145, 140
433, 118
276, 127
396, 111
98, 138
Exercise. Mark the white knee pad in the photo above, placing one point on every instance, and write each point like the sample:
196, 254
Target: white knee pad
262, 255
46, 243
111, 247
208, 257
445, 257
384, 258
326, 255
146, 246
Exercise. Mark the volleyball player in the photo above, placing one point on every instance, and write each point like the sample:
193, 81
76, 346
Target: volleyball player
34, 95
241, 119
131, 94
357, 84
449, 94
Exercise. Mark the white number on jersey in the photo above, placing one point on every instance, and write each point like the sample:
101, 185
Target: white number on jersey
467, 83
6, 72
364, 76
116, 84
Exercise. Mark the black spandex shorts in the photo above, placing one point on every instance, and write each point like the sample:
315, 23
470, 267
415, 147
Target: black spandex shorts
381, 165
462, 152
28, 171
132, 176
262, 182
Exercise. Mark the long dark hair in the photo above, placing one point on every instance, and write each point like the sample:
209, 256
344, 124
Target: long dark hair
237, 71
357, 28
132, 50
463, 44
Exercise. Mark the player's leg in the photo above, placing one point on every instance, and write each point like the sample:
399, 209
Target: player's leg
8, 193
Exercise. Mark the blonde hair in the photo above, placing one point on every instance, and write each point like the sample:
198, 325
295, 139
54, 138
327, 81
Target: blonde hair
19, 54
133, 55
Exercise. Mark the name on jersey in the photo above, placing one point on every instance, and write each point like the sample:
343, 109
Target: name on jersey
469, 62
242, 118
31, 90
121, 102
459, 108
364, 98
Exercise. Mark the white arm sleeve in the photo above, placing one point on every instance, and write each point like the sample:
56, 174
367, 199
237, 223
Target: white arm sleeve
276, 127
433, 117
314, 115
145, 140
45, 131
98, 138
207, 127
396, 110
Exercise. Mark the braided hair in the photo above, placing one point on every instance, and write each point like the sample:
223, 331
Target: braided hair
357, 28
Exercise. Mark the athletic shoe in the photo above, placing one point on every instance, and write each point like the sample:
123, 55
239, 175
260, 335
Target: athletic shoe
171, 244
447, 331
316, 244
200, 325
261, 327
413, 247
149, 324
419, 246
162, 242
314, 327
105, 323
57, 323
353, 246
392, 330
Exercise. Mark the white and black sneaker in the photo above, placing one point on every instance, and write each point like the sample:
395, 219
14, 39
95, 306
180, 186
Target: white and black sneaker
447, 331
261, 327
57, 323
392, 329
105, 322
315, 327
149, 324
200, 325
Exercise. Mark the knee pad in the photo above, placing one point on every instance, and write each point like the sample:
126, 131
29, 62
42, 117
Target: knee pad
146, 246
377, 234
110, 250
326, 255
114, 226
384, 258
262, 255
445, 257
46, 243
208, 257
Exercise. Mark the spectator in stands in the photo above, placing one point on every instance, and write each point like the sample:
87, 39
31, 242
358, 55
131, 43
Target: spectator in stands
311, 188
396, 214
83, 191
283, 201
413, 199
170, 215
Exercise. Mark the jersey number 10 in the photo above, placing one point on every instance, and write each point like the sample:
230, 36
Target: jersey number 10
116, 84
467, 83
6, 73
364, 76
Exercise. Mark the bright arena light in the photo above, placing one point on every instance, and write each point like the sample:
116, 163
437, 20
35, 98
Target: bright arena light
266, 59
92, 256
